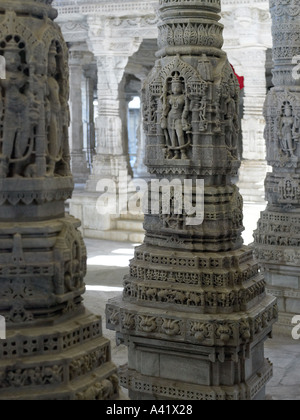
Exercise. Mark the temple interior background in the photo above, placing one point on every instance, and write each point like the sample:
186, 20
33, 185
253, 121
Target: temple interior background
112, 48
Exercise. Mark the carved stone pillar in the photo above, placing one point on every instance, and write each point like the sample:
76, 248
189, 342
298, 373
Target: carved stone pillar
79, 163
140, 168
194, 312
89, 134
110, 156
54, 348
246, 41
277, 238
254, 167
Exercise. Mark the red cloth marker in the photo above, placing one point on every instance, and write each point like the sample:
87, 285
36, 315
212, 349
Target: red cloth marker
241, 79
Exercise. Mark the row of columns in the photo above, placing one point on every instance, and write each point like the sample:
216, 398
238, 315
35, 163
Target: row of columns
249, 60
247, 40
82, 128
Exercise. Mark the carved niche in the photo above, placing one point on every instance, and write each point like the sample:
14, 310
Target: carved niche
182, 104
282, 128
175, 99
34, 114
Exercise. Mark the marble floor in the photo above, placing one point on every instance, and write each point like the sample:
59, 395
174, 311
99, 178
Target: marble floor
108, 264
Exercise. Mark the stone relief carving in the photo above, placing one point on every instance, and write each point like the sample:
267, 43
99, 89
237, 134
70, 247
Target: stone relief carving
100, 391
182, 274
54, 348
178, 106
34, 141
277, 236
282, 131
175, 116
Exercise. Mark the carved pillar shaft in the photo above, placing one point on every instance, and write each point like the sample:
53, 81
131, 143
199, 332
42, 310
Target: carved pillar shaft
54, 348
89, 124
140, 168
277, 238
194, 312
254, 168
78, 156
110, 156
250, 24
255, 95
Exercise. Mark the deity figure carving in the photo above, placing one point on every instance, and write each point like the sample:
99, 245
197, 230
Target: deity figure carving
288, 131
16, 128
174, 122
231, 122
204, 68
54, 110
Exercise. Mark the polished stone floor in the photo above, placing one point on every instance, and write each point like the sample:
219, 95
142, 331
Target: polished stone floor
108, 264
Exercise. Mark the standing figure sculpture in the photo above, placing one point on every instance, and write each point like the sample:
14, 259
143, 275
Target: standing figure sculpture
54, 113
16, 130
175, 120
287, 131
231, 123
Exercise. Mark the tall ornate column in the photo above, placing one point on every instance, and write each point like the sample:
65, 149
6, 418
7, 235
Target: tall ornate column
112, 54
277, 238
54, 348
140, 168
248, 35
110, 156
79, 163
254, 168
194, 312
89, 118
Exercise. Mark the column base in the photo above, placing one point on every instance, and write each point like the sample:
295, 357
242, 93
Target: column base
284, 325
143, 387
107, 167
277, 240
79, 167
288, 304
252, 175
123, 228
69, 360
169, 357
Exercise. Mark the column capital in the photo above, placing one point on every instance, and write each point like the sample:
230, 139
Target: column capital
90, 71
248, 25
105, 39
75, 58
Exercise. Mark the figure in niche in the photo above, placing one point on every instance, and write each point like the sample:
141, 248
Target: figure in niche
231, 122
54, 113
73, 274
17, 146
177, 129
288, 131
205, 68
38, 84
289, 193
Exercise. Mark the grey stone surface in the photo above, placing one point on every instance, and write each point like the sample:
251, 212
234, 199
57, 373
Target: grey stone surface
277, 237
107, 265
54, 348
194, 291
